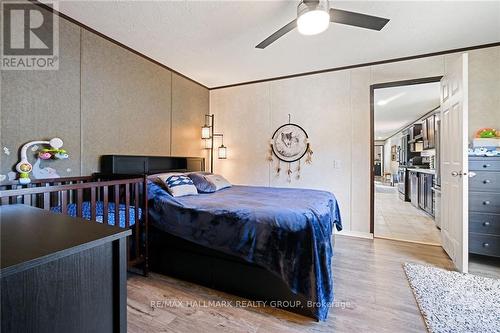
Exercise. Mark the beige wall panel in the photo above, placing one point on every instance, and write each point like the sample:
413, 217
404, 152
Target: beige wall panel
190, 104
319, 104
243, 115
44, 104
484, 89
407, 70
126, 103
360, 143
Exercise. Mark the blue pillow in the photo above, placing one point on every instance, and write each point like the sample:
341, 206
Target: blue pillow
208, 182
202, 185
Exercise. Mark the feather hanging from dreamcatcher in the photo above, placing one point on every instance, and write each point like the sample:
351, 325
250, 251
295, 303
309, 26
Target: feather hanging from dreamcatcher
289, 144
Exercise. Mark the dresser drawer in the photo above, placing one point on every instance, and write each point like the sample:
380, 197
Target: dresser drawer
484, 202
484, 244
485, 181
484, 223
484, 164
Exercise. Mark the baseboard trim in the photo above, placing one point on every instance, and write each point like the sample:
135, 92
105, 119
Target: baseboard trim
358, 234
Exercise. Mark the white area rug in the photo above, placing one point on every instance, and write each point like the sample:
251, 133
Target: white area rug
454, 302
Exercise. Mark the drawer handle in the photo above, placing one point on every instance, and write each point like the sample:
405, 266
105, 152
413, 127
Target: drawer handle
486, 224
486, 245
486, 181
486, 165
487, 202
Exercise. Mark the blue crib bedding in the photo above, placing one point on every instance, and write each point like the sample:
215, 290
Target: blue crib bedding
286, 231
71, 211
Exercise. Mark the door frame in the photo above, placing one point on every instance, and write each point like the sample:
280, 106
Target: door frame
373, 87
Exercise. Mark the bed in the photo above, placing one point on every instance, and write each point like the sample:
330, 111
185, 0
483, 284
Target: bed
285, 231
265, 244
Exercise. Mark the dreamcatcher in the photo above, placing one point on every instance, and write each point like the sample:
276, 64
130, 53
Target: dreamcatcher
290, 143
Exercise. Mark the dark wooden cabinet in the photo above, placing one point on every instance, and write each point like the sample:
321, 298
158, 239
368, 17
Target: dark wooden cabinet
425, 134
484, 206
429, 132
415, 132
61, 274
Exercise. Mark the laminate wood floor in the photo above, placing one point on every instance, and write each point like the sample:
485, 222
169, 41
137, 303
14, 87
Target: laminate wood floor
371, 292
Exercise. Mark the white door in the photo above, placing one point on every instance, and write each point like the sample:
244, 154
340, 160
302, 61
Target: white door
454, 163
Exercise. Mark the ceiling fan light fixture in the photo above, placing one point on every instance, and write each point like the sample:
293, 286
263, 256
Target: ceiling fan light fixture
312, 17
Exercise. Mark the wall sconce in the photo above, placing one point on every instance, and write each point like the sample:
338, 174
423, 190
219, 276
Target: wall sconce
205, 132
222, 152
208, 134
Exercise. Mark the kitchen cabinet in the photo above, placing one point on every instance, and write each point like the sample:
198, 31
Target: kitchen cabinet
415, 132
429, 132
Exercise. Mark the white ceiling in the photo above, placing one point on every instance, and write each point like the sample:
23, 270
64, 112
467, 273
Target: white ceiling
399, 106
213, 42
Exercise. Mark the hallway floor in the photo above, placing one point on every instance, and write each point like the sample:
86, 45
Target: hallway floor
399, 220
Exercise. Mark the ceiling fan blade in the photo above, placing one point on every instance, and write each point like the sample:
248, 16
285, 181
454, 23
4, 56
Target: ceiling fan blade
357, 19
280, 33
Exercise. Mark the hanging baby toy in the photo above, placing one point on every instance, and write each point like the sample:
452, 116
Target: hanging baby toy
54, 152
290, 143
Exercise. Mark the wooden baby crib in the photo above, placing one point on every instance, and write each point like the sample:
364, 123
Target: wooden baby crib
114, 199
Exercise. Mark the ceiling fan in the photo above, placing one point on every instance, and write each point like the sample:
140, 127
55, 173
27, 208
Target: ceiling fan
314, 17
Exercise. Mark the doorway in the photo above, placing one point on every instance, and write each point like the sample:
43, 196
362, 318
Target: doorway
404, 133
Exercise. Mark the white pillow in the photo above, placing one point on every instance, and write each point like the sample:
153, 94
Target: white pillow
178, 185
162, 177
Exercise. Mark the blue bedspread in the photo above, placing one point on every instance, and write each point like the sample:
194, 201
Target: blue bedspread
71, 211
286, 231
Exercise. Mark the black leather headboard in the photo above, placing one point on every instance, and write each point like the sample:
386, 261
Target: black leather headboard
147, 165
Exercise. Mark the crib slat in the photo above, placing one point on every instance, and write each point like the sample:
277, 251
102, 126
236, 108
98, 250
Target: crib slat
117, 205
5, 200
27, 199
105, 204
46, 201
92, 204
136, 219
79, 202
127, 205
64, 202
136, 203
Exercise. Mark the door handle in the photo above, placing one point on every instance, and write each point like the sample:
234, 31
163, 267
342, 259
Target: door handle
486, 181
486, 202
